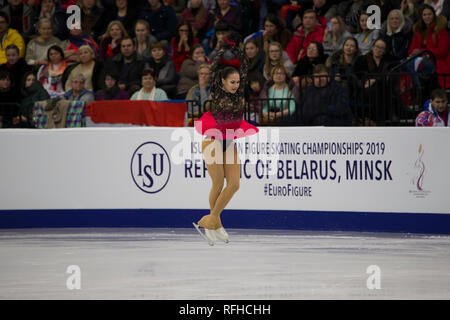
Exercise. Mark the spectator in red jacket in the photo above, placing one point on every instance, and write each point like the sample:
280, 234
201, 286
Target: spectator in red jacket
430, 33
310, 31
182, 44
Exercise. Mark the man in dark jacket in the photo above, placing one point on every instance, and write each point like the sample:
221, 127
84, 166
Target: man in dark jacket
325, 102
128, 65
162, 20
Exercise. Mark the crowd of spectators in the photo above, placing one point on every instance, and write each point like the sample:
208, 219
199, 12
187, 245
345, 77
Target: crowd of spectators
162, 50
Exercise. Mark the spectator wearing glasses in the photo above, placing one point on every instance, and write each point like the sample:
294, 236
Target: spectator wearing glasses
283, 92
77, 90
277, 56
182, 43
149, 91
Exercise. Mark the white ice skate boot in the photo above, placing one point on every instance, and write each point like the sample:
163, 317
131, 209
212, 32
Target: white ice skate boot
222, 234
209, 235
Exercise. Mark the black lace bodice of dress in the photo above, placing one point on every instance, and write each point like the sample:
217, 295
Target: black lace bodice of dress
225, 106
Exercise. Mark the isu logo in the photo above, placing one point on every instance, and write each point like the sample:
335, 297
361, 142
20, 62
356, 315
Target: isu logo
150, 167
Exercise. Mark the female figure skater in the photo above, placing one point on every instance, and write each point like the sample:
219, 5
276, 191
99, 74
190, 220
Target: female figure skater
221, 125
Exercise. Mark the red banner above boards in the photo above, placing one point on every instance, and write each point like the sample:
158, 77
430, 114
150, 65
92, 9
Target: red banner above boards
138, 112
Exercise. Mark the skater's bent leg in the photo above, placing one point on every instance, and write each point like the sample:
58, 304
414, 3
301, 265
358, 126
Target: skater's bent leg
211, 148
215, 170
232, 169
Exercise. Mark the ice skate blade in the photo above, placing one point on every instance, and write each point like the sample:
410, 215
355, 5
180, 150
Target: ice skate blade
211, 243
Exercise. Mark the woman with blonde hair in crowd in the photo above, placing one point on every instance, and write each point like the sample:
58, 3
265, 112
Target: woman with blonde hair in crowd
109, 41
397, 31
277, 56
143, 39
88, 67
36, 53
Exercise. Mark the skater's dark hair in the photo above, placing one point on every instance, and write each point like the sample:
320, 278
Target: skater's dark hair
225, 72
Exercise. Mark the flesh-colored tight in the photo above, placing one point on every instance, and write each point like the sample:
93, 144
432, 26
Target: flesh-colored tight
225, 165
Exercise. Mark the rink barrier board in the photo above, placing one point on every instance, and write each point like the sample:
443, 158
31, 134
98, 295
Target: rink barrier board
90, 178
245, 219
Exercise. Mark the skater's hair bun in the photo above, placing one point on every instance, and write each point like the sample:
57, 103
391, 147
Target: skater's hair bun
225, 72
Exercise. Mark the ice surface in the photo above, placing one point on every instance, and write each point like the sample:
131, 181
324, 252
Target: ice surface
256, 264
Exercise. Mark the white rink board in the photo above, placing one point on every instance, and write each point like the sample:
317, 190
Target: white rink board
94, 168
